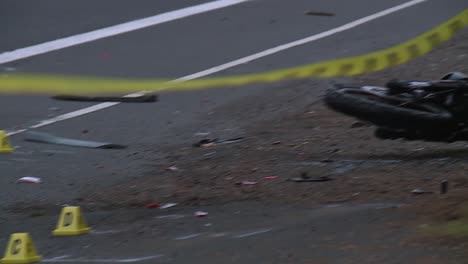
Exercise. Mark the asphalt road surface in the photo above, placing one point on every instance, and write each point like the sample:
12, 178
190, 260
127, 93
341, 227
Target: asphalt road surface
185, 46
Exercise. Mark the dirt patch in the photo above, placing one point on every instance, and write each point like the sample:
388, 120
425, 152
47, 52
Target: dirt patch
290, 132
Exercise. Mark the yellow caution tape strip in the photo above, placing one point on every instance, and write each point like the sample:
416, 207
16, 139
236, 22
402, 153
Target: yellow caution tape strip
376, 61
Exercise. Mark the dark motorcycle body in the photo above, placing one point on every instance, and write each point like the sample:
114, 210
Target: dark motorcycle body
415, 110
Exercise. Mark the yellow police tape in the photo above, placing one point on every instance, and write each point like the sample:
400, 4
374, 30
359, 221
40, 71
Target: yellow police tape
376, 61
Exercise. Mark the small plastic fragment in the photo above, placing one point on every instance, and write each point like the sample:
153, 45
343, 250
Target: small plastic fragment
420, 191
172, 168
167, 205
247, 183
200, 214
29, 179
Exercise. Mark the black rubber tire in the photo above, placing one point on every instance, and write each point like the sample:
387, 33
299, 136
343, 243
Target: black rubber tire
386, 115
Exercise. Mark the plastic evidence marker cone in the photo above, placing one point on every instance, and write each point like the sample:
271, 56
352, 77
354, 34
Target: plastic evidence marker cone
71, 222
20, 250
5, 146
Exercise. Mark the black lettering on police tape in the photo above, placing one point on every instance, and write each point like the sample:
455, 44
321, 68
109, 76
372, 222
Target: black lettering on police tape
345, 68
319, 71
291, 75
434, 39
455, 26
370, 64
413, 50
392, 58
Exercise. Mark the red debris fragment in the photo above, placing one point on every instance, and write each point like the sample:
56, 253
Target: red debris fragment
152, 206
200, 214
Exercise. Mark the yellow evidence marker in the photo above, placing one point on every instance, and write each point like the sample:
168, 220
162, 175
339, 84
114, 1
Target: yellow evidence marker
20, 250
71, 222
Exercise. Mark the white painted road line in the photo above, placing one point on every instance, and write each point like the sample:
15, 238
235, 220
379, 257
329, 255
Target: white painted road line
64, 259
299, 42
253, 233
114, 30
238, 62
188, 236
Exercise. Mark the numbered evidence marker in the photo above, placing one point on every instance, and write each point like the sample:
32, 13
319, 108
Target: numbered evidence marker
71, 222
20, 250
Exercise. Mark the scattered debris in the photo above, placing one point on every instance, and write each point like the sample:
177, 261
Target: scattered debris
172, 168
29, 179
167, 205
318, 13
305, 178
53, 151
444, 187
200, 214
208, 224
202, 134
152, 206
247, 183
146, 98
84, 131
205, 143
270, 177
419, 191
276, 143
41, 137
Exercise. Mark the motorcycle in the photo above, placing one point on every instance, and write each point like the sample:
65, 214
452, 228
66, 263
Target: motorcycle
413, 110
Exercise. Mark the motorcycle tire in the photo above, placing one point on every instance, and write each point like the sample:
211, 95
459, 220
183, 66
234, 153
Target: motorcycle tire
385, 114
